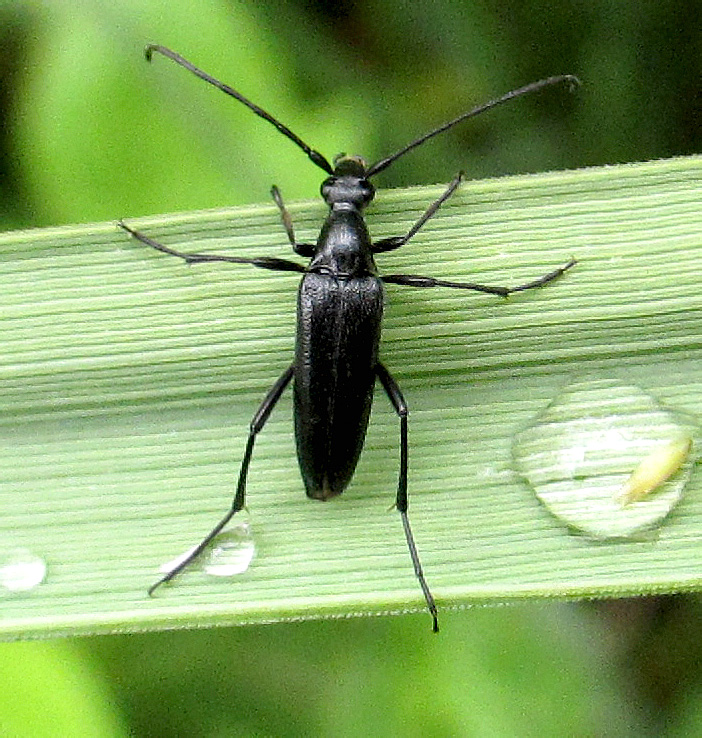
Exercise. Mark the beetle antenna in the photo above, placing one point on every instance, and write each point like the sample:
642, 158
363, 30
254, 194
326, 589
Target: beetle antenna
570, 79
315, 156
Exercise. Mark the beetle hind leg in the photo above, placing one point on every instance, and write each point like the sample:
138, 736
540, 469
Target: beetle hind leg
257, 423
401, 502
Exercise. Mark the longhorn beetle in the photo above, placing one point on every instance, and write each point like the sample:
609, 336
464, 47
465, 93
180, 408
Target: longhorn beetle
339, 311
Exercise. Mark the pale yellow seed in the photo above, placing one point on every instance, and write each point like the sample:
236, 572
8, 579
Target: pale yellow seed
658, 466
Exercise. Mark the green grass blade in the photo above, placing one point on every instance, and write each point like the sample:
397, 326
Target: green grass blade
129, 379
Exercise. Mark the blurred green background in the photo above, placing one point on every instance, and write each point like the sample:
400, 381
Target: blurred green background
91, 132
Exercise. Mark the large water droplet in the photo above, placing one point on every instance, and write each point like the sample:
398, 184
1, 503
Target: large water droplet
22, 570
580, 453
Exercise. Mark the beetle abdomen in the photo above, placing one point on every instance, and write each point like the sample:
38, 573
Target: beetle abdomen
336, 355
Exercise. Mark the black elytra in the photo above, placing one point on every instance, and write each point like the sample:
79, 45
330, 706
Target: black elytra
339, 312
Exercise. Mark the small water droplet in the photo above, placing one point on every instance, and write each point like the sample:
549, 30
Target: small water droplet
232, 552
22, 570
595, 441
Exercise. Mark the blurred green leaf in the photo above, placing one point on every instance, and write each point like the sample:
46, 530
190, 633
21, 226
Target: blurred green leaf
53, 689
528, 670
103, 132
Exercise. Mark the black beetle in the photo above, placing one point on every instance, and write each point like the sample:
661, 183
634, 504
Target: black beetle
339, 312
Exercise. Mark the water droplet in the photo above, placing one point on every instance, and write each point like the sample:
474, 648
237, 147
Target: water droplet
232, 552
22, 570
606, 458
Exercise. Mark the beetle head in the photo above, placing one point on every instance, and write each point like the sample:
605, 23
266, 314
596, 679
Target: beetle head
349, 183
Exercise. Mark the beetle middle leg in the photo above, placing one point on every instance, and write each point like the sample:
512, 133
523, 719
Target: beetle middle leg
263, 262
401, 502
415, 280
257, 423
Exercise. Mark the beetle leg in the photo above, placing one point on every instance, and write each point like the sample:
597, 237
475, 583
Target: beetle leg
415, 280
257, 423
303, 249
264, 262
389, 244
398, 402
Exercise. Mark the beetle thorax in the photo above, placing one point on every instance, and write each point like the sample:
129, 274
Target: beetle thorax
347, 190
344, 246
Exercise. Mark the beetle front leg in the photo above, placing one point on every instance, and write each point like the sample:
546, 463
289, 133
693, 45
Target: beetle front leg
390, 244
303, 249
401, 502
257, 423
